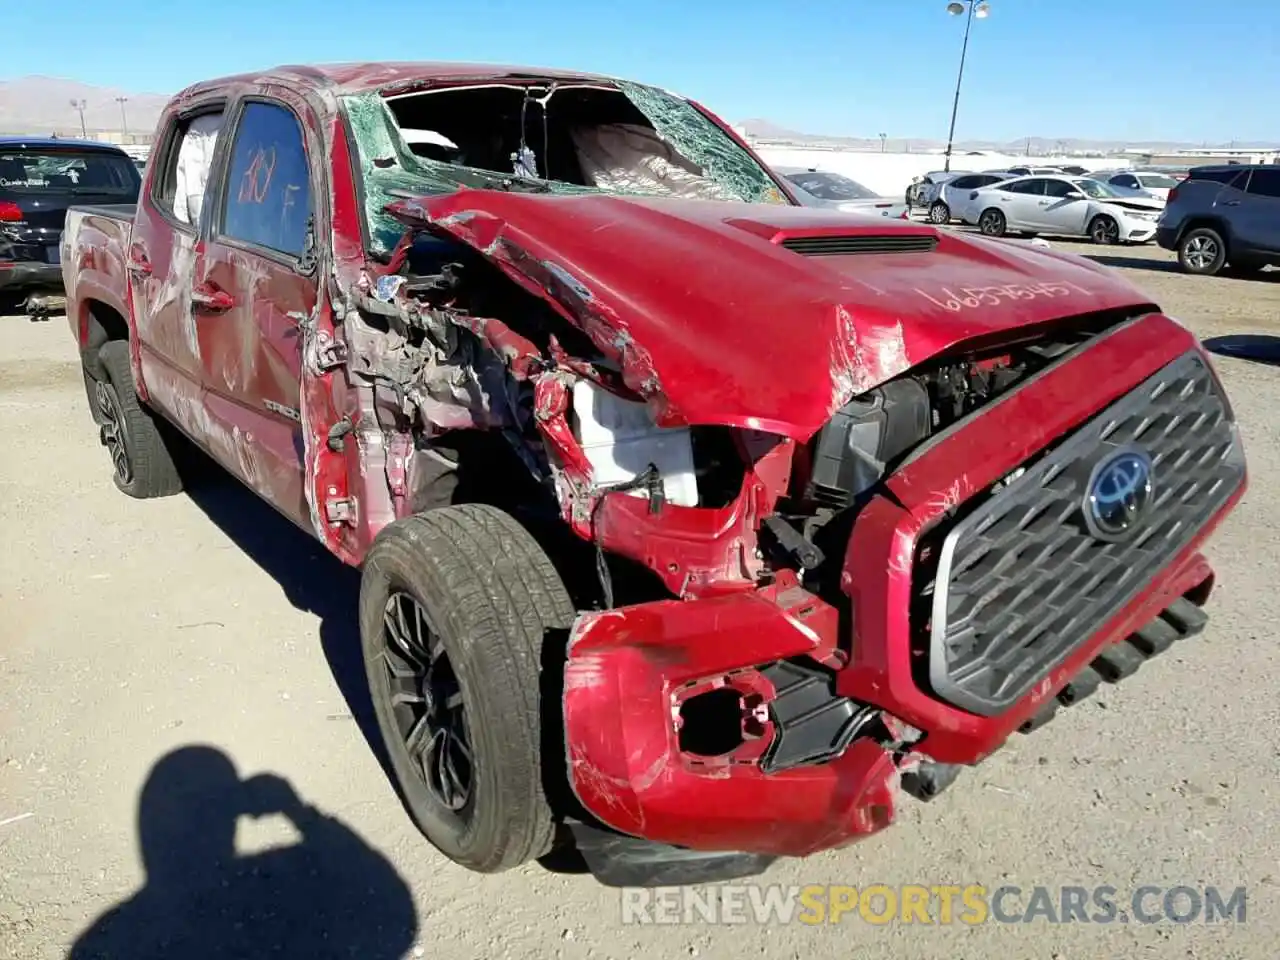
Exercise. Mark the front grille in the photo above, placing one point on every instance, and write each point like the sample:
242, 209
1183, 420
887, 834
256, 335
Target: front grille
1020, 580
860, 244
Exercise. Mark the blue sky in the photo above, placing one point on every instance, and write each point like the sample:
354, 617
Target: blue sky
1124, 69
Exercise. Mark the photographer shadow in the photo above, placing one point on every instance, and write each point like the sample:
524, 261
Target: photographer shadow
328, 895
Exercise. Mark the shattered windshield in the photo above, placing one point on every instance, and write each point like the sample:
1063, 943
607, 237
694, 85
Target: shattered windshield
562, 138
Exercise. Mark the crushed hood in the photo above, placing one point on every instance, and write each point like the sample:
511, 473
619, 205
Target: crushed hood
714, 320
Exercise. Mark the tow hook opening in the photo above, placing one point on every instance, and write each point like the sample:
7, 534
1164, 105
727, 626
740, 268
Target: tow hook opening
711, 723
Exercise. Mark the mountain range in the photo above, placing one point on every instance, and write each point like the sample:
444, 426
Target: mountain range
759, 129
44, 105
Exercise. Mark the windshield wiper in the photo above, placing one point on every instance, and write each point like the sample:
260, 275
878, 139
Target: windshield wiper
524, 185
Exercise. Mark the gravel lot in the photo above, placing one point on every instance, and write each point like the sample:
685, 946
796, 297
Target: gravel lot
134, 629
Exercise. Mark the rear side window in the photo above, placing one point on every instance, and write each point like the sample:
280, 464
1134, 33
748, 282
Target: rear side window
1221, 175
268, 190
1265, 183
1025, 186
57, 172
179, 188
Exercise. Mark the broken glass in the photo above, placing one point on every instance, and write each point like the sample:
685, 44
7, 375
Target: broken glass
390, 170
696, 137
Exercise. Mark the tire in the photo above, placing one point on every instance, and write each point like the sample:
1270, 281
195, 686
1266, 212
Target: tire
1104, 230
992, 222
1202, 251
939, 213
140, 450
488, 596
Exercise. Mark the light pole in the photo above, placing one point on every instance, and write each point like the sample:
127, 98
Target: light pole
78, 106
124, 121
883, 137
969, 9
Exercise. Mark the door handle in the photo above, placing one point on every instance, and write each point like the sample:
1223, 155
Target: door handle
138, 263
212, 298
1231, 203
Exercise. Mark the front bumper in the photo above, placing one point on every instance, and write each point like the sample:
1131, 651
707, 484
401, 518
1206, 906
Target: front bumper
765, 779
1137, 231
29, 275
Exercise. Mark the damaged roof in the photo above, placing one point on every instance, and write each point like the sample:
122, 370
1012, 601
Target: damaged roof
353, 78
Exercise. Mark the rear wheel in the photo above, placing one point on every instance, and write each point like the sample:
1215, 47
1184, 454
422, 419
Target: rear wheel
1202, 251
456, 605
141, 456
992, 223
1104, 230
939, 213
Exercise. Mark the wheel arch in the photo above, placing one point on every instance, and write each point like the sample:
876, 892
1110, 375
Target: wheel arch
1212, 222
100, 323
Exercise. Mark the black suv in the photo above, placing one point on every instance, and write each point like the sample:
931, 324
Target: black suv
1224, 216
40, 178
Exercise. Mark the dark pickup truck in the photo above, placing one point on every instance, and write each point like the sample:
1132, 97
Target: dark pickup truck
695, 525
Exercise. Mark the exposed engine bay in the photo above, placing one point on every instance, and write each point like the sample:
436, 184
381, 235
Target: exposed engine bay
504, 397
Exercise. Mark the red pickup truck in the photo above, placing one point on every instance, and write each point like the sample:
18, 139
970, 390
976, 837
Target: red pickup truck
695, 525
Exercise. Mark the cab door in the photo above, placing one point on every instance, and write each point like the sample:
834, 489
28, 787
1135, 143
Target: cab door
1255, 222
163, 249
1019, 202
1063, 209
253, 291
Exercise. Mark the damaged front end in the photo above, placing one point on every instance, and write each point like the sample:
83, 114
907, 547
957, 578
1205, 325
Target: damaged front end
782, 494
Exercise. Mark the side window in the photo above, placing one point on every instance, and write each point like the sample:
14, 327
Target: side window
988, 178
967, 183
179, 187
1057, 188
268, 189
1234, 178
1026, 186
1126, 180
1265, 183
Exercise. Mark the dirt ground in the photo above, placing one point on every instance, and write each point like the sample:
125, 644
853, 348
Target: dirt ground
188, 642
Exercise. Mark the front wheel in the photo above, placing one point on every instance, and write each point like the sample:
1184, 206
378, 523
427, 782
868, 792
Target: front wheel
456, 605
992, 223
1104, 230
939, 213
1202, 251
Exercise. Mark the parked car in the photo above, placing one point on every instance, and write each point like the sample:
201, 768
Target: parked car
1029, 171
821, 188
1155, 185
1224, 216
1063, 206
692, 525
949, 200
923, 189
39, 179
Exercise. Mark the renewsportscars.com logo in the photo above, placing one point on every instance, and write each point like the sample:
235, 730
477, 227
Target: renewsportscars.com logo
970, 904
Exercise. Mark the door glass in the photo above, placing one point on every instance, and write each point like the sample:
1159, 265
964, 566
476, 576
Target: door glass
1265, 183
268, 187
1057, 188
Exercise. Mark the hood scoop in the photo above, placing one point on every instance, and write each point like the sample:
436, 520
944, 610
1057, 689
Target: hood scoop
852, 244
